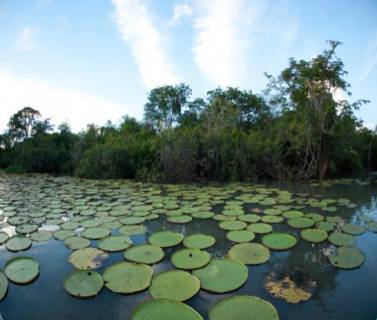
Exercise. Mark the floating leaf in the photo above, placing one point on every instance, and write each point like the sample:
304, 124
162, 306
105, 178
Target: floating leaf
22, 269
347, 258
114, 243
18, 243
166, 239
279, 241
189, 259
314, 235
145, 253
199, 241
87, 258
83, 284
250, 253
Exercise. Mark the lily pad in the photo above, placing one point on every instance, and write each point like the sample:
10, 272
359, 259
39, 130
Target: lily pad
347, 258
180, 219
165, 309
250, 253
22, 269
272, 219
222, 275
199, 241
114, 243
40, 236
293, 214
166, 239
243, 308
240, 236
3, 285
342, 239
26, 228
18, 243
279, 241
249, 218
63, 234
95, 233
176, 285
87, 258
314, 235
327, 226
301, 223
145, 253
232, 225
127, 277
3, 237
83, 284
75, 243
260, 228
353, 229
189, 259
132, 230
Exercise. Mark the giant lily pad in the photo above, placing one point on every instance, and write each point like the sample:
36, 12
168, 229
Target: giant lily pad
272, 219
40, 236
127, 277
95, 233
301, 223
342, 239
114, 243
18, 243
132, 230
279, 241
3, 285
353, 229
189, 259
180, 219
199, 241
3, 237
75, 243
26, 228
166, 239
240, 236
87, 258
175, 285
145, 253
232, 225
347, 258
327, 225
260, 228
84, 284
165, 309
222, 275
63, 234
314, 235
22, 269
250, 253
243, 308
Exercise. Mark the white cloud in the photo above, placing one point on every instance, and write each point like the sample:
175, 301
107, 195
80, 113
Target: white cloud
26, 40
77, 108
371, 60
145, 41
181, 10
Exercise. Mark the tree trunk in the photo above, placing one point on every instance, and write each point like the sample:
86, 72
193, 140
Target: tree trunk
323, 160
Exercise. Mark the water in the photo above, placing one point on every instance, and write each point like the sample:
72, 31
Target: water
350, 295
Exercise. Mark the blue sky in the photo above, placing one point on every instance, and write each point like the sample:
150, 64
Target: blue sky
95, 60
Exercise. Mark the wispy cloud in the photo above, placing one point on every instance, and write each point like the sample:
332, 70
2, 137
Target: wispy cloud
146, 42
59, 104
26, 40
371, 60
181, 10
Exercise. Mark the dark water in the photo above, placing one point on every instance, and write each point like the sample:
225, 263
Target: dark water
350, 295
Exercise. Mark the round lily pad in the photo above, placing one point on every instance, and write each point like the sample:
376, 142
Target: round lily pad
180, 219
347, 258
145, 253
26, 228
203, 214
293, 214
243, 308
165, 309
18, 243
342, 239
87, 258
327, 225
315, 216
260, 228
166, 239
84, 284
314, 235
3, 285
95, 233
250, 253
353, 229
279, 241
222, 275
3, 237
75, 243
63, 234
232, 225
249, 218
40, 236
22, 269
132, 220
240, 236
115, 243
199, 241
127, 277
272, 219
301, 223
176, 285
189, 259
132, 230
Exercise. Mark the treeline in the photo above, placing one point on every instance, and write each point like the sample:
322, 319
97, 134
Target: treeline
297, 129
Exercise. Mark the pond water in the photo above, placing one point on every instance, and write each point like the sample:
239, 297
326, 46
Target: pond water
340, 294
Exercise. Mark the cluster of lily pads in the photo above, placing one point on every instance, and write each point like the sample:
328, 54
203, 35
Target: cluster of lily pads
97, 218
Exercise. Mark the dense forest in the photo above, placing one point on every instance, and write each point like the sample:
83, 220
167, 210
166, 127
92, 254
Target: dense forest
297, 129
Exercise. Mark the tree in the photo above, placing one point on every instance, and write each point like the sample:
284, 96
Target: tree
165, 105
22, 124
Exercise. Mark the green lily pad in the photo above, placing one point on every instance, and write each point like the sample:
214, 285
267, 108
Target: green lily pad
115, 243
145, 253
315, 216
342, 239
87, 258
240, 236
22, 269
75, 243
3, 237
347, 258
175, 285
249, 218
353, 229
189, 259
26, 228
132, 220
165, 309
83, 284
132, 230
232, 225
314, 235
327, 226
301, 223
3, 285
293, 214
203, 214
199, 241
63, 234
166, 239
180, 219
279, 241
272, 219
127, 277
250, 253
18, 243
40, 236
70, 225
243, 308
222, 275
260, 228
95, 233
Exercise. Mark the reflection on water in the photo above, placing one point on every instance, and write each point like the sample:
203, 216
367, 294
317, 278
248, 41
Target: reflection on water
350, 295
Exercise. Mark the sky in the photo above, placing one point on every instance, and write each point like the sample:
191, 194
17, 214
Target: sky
90, 61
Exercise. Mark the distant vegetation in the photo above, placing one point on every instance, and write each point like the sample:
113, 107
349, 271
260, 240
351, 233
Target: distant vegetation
295, 130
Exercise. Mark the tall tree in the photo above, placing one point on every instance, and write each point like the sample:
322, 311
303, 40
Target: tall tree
22, 124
